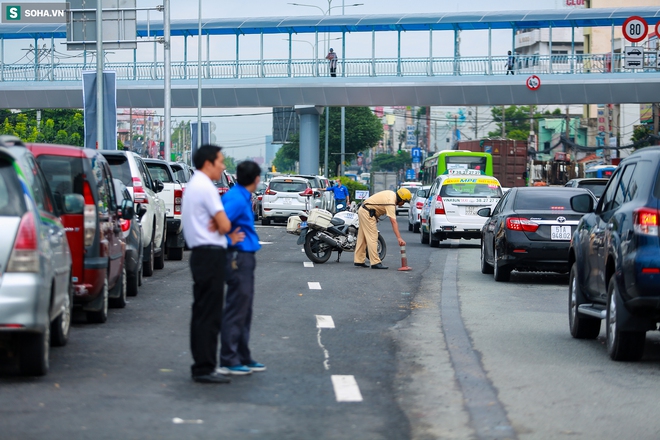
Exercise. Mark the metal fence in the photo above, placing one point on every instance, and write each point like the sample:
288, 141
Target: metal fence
354, 68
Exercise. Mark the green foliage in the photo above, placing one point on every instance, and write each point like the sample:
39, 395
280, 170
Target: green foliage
641, 132
62, 126
287, 156
516, 122
352, 185
391, 162
230, 163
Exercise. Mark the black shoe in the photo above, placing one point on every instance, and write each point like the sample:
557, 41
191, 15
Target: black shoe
378, 266
360, 265
211, 378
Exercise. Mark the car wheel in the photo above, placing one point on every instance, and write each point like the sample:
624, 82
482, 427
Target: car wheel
416, 228
159, 260
139, 269
410, 226
35, 352
119, 302
100, 316
148, 266
621, 346
175, 254
424, 237
434, 242
500, 272
316, 250
265, 221
132, 283
485, 267
60, 327
582, 327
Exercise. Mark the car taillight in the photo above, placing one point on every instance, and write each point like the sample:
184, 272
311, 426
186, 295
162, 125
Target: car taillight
521, 224
270, 192
646, 221
178, 197
439, 206
419, 205
25, 254
139, 196
89, 215
125, 225
260, 198
222, 190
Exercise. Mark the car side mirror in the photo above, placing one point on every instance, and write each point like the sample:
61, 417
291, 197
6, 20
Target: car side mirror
582, 203
141, 210
158, 185
127, 209
317, 194
73, 204
421, 193
484, 212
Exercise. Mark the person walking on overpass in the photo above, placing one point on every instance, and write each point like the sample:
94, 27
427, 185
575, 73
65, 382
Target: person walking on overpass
381, 203
341, 194
235, 356
510, 63
332, 58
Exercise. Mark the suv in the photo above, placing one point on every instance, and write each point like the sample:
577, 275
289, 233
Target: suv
595, 185
172, 195
182, 173
284, 198
323, 199
36, 291
94, 232
615, 258
131, 170
224, 184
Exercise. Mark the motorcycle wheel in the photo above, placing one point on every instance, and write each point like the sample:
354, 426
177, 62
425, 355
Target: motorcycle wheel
317, 251
382, 248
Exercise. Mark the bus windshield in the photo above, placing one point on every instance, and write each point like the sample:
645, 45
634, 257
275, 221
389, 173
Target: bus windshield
464, 163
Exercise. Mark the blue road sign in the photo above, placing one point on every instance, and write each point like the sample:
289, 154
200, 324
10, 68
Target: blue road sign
410, 174
416, 154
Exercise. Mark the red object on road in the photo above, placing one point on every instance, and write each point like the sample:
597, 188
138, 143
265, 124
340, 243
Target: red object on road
404, 260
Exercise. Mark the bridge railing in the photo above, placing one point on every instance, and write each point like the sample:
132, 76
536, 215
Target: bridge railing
354, 68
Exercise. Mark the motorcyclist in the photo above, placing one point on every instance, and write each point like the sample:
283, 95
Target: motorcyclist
381, 203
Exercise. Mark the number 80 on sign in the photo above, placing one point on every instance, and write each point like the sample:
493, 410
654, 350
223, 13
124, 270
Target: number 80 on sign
635, 29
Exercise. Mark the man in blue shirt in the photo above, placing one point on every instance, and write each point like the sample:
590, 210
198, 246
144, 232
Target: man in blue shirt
341, 194
235, 357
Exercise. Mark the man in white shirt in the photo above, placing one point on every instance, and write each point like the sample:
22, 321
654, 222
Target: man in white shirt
204, 227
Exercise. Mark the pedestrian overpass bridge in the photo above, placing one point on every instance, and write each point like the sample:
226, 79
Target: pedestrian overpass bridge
428, 81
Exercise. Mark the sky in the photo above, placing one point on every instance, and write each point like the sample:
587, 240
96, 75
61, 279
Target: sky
244, 135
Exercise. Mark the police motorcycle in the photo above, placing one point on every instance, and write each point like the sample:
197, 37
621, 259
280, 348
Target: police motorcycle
321, 233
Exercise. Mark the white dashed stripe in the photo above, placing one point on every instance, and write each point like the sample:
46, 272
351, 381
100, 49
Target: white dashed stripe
308, 264
324, 321
313, 285
346, 388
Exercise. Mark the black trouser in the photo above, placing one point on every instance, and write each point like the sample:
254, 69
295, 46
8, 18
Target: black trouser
237, 316
207, 264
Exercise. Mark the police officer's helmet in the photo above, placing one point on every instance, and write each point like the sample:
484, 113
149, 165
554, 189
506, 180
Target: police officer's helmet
404, 194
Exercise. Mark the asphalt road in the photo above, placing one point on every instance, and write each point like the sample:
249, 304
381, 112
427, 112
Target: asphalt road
439, 352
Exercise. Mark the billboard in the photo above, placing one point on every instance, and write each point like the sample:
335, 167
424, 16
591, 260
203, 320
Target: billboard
286, 123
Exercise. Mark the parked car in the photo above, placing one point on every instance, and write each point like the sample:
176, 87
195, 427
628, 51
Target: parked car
284, 198
450, 210
131, 230
529, 230
182, 172
172, 195
224, 184
615, 259
36, 290
257, 196
595, 185
131, 170
412, 187
322, 199
94, 234
416, 205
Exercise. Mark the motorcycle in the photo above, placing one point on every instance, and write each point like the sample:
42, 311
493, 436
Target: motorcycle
321, 233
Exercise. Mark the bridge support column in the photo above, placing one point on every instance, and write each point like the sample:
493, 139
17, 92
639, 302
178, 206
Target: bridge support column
309, 139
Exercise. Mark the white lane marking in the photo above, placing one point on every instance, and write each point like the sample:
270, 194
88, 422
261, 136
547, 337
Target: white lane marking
326, 355
302, 250
324, 321
313, 285
178, 421
265, 242
346, 388
308, 264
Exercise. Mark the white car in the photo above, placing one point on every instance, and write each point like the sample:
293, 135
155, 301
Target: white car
284, 198
131, 170
412, 187
323, 199
450, 211
415, 211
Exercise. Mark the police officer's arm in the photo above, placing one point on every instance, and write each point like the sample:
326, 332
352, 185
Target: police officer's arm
395, 228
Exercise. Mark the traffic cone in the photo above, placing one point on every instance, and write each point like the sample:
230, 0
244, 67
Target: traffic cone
404, 260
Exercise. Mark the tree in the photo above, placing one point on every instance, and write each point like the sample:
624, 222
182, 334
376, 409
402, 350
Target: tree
230, 163
641, 132
516, 122
63, 126
391, 162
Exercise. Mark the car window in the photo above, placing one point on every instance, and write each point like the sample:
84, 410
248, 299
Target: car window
598, 188
159, 171
480, 190
120, 169
39, 186
288, 187
179, 173
623, 186
500, 204
12, 202
544, 200
110, 188
146, 177
63, 174
98, 179
608, 196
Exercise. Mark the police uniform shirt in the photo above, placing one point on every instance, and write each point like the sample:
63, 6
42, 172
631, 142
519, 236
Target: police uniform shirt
384, 203
200, 204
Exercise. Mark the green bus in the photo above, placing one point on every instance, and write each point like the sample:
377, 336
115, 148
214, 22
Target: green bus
457, 162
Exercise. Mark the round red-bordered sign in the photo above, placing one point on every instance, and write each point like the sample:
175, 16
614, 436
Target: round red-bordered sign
533, 82
635, 29
657, 29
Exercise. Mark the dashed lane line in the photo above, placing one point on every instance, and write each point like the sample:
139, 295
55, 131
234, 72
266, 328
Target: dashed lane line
313, 285
346, 388
324, 321
308, 264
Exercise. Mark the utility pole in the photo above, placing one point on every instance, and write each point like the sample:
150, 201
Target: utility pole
503, 136
656, 121
476, 123
568, 126
130, 129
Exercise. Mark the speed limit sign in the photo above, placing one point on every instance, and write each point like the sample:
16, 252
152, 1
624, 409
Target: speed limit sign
635, 29
533, 82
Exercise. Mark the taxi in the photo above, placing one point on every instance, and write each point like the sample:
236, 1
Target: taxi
450, 211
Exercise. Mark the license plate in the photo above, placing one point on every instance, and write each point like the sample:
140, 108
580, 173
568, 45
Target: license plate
287, 201
560, 232
471, 210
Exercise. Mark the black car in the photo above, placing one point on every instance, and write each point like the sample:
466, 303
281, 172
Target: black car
615, 258
595, 185
530, 229
131, 230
